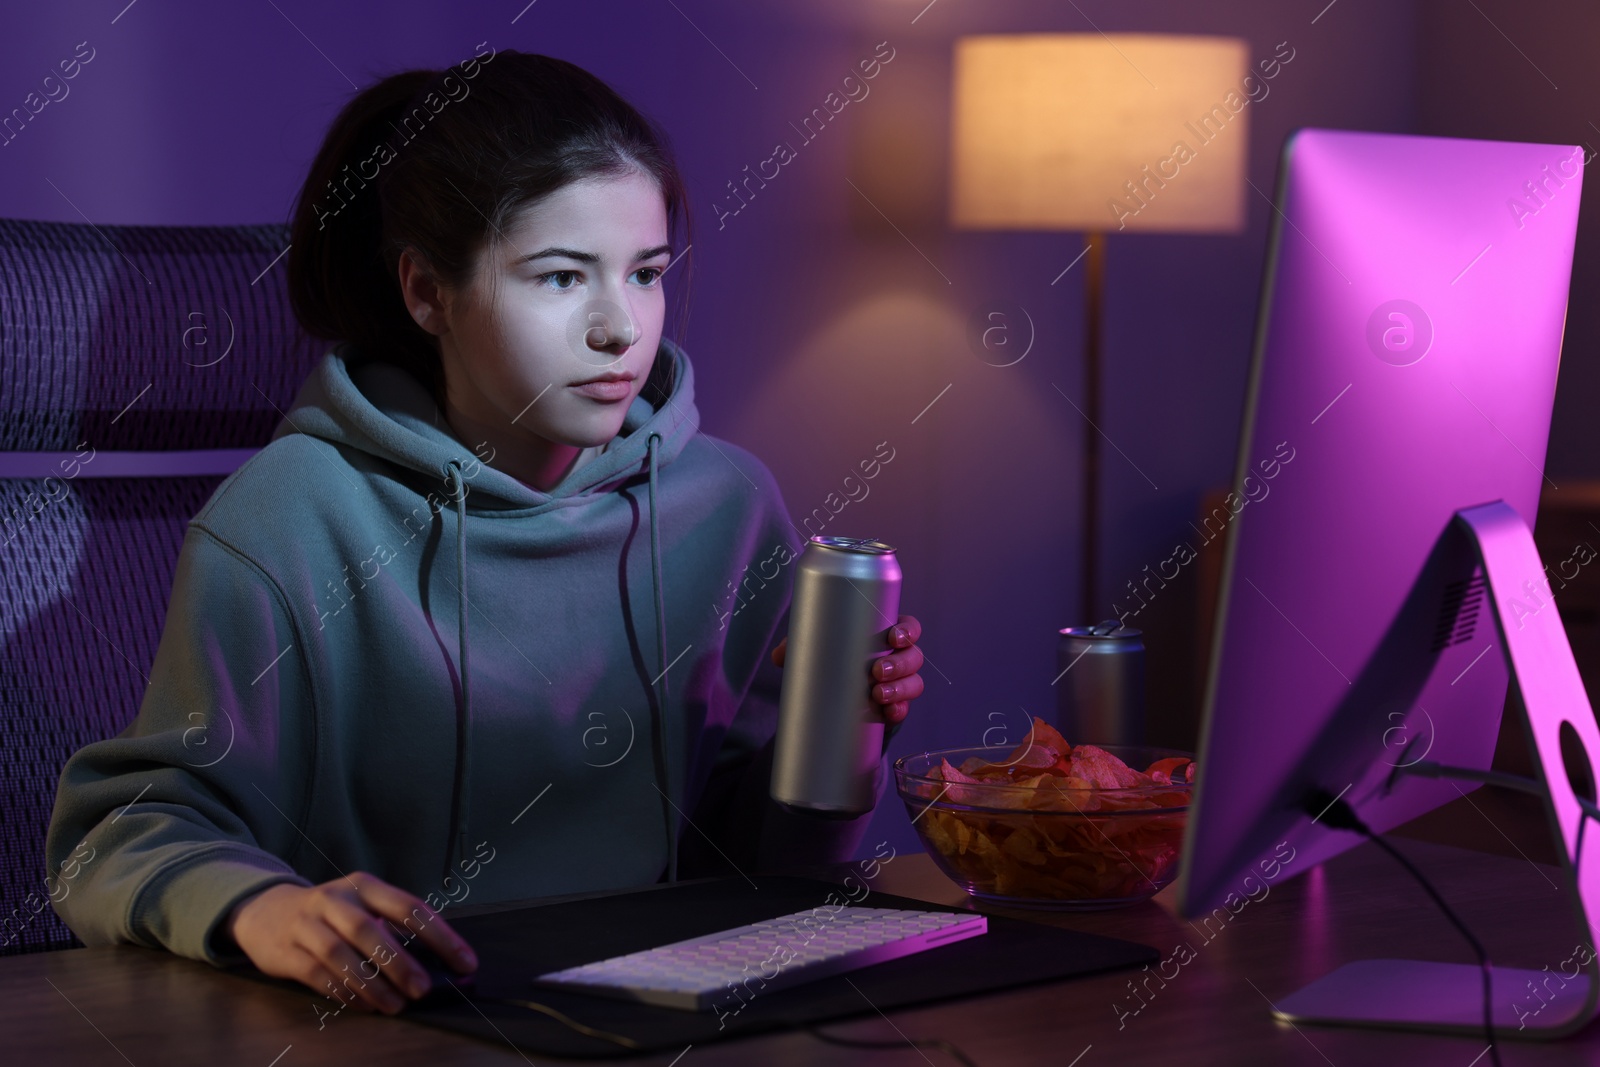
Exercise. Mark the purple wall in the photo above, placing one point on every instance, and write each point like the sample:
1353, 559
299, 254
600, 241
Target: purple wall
1526, 72
819, 331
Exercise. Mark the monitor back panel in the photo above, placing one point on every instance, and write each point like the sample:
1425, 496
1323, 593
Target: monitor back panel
1405, 367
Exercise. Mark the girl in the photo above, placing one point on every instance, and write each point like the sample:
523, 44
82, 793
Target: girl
464, 626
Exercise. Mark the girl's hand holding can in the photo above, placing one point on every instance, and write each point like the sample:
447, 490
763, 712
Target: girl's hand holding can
898, 681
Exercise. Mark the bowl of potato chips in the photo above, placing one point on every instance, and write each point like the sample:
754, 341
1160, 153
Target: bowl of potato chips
1047, 824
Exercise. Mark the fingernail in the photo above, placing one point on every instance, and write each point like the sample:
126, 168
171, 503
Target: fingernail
888, 667
899, 633
888, 693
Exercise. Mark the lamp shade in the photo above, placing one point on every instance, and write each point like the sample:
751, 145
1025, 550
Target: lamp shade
1096, 132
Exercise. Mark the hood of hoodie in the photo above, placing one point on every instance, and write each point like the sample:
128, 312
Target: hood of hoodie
383, 410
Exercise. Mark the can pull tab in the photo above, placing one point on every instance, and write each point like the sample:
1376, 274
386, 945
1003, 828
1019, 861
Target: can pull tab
1109, 626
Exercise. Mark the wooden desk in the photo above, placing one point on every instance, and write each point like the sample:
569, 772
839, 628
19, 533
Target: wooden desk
133, 1005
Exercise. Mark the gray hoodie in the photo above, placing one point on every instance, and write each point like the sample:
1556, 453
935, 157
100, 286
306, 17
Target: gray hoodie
382, 654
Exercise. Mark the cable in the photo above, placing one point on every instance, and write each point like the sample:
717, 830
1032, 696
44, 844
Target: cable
1324, 806
1434, 769
568, 1021
931, 1042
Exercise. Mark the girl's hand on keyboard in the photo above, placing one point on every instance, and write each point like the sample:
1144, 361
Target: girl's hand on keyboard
899, 682
332, 937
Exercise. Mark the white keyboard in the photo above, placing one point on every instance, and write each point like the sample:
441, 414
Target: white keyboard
728, 967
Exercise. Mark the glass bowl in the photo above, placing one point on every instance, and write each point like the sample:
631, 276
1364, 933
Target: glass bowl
1028, 839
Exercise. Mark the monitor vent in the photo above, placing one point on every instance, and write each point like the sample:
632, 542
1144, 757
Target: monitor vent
1458, 612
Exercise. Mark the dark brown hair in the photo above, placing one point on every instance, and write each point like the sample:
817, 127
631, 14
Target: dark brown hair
443, 161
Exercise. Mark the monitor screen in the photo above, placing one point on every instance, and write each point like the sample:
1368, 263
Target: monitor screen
1404, 368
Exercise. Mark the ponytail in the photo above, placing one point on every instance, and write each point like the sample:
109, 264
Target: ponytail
339, 287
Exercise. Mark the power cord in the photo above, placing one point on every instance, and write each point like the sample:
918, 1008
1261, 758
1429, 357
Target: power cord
931, 1042
568, 1021
1335, 812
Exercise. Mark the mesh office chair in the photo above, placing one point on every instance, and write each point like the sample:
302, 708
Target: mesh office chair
139, 365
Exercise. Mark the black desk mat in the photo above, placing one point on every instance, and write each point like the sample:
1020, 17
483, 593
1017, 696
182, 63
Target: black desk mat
513, 944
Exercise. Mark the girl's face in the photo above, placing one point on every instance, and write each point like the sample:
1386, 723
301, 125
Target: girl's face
573, 293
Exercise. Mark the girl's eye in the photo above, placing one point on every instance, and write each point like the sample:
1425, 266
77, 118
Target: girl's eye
553, 278
558, 274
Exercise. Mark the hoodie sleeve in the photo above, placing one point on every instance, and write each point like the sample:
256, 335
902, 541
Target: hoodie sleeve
159, 831
736, 808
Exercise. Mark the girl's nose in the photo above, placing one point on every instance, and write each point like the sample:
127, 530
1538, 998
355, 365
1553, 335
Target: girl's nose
610, 324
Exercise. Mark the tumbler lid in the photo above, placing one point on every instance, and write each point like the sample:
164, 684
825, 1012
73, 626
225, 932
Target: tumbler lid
1110, 628
854, 544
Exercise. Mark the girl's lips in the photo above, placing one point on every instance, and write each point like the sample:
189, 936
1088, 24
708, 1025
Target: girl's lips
609, 391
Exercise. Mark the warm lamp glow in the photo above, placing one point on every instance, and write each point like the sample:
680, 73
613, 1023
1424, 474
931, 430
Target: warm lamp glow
1102, 133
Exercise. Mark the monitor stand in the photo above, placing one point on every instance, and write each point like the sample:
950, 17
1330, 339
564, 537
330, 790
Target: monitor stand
1549, 697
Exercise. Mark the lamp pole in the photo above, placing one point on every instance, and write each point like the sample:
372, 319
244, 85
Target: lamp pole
1093, 281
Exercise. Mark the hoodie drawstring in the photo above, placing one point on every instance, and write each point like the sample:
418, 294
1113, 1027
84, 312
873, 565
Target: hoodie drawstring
663, 768
457, 484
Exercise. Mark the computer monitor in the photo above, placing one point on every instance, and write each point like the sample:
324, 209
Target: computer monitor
1405, 361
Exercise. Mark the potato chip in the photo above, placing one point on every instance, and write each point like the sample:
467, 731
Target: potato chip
1041, 748
955, 792
1161, 770
1103, 769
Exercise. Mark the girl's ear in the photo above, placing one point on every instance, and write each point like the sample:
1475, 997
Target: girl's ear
421, 293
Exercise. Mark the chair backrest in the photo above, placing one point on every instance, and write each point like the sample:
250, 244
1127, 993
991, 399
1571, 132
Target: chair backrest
139, 365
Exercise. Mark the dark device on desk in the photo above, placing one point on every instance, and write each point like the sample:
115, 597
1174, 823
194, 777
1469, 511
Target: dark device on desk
1376, 603
448, 986
516, 945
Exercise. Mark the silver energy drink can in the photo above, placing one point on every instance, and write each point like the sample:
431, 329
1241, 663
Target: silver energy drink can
830, 733
1100, 684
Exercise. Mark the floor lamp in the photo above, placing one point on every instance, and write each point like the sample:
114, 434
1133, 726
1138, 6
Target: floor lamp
1099, 133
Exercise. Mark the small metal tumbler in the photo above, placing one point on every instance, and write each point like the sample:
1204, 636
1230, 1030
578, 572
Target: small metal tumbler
1100, 684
